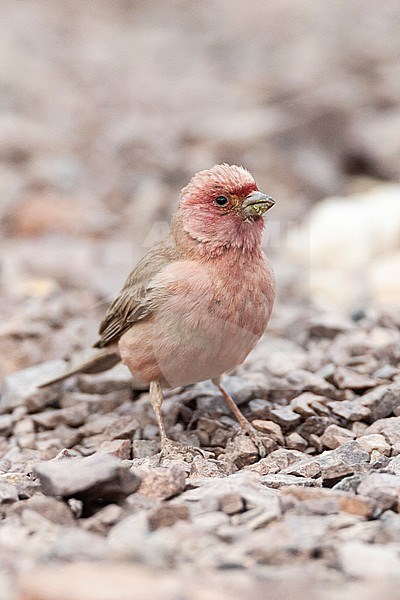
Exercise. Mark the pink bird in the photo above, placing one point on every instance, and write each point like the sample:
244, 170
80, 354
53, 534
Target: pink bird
197, 303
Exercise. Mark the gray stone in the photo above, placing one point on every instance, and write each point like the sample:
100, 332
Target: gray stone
383, 487
284, 416
25, 485
6, 424
299, 535
302, 404
121, 428
244, 483
8, 492
386, 372
305, 381
21, 388
331, 464
277, 461
98, 478
117, 378
313, 426
96, 403
345, 378
382, 401
389, 428
279, 480
394, 465
351, 410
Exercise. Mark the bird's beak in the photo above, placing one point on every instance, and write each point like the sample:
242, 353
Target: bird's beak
256, 204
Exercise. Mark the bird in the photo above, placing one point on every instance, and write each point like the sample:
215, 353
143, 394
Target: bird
197, 303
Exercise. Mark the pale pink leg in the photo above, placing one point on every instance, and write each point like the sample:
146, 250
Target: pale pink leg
169, 448
156, 400
243, 422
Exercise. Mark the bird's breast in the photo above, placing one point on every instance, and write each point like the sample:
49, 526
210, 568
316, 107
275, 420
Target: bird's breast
210, 318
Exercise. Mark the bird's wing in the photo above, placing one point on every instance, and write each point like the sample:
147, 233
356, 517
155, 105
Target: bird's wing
137, 299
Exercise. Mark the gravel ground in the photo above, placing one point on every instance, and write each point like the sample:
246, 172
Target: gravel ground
82, 480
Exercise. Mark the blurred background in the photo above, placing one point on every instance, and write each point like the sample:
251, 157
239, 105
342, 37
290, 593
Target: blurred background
108, 107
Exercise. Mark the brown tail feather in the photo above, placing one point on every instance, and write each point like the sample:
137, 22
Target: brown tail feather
103, 361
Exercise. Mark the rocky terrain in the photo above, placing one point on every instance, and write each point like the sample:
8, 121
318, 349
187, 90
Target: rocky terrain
82, 480
107, 108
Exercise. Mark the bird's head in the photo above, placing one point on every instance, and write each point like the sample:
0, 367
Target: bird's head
222, 207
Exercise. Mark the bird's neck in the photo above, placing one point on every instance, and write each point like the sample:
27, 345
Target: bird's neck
196, 239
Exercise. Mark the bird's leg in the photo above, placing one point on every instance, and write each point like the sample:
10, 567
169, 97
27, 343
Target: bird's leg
243, 422
156, 400
168, 446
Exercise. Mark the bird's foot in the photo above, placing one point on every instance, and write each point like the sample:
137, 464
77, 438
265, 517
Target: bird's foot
255, 437
173, 450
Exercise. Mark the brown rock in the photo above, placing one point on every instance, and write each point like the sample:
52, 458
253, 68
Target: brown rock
273, 430
144, 448
167, 515
374, 441
121, 428
161, 482
313, 426
343, 501
327, 326
334, 436
119, 448
241, 451
295, 441
231, 503
103, 519
52, 509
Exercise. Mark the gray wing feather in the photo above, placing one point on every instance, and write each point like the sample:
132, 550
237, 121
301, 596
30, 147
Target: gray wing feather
137, 298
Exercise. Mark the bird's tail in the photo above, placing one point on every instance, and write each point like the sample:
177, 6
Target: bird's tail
101, 360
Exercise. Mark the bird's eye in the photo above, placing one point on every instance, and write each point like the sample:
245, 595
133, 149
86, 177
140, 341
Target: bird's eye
221, 200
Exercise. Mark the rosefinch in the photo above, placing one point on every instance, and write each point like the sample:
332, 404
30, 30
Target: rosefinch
196, 304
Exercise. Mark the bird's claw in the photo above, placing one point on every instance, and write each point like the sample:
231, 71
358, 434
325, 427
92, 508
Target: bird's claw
171, 450
256, 439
